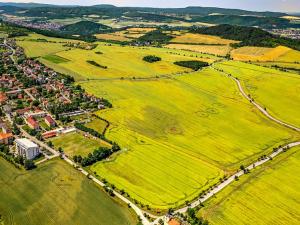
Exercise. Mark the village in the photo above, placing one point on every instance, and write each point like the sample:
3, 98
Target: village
36, 104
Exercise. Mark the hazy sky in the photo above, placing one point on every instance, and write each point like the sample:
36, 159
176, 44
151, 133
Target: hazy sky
260, 5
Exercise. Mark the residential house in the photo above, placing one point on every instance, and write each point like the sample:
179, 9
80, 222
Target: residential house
6, 138
49, 121
32, 123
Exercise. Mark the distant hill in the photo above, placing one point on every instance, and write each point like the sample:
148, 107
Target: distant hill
249, 36
84, 28
263, 22
107, 9
25, 5
105, 6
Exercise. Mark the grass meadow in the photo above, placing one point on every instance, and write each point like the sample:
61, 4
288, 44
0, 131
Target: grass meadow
97, 124
77, 144
277, 91
55, 193
180, 135
268, 195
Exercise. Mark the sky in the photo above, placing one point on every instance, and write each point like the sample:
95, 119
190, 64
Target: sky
258, 5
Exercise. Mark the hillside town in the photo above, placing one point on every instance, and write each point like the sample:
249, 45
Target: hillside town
36, 103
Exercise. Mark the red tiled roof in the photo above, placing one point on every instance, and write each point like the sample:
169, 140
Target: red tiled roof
49, 119
5, 135
32, 121
173, 222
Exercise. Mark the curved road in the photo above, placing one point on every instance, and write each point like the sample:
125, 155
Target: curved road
261, 108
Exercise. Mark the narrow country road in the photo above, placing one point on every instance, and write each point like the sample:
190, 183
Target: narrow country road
12, 49
260, 108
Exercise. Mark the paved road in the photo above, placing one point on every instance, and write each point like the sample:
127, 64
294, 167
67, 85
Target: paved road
13, 51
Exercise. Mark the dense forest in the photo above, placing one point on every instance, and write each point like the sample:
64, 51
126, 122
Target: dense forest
84, 28
248, 36
263, 22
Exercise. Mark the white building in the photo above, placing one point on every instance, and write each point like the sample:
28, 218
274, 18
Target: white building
27, 148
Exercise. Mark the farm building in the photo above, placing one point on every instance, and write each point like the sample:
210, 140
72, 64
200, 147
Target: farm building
27, 148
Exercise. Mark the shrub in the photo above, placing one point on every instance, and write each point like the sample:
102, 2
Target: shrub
151, 58
193, 64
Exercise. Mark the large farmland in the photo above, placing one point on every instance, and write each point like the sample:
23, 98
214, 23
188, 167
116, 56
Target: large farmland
163, 122
266, 196
148, 116
36, 197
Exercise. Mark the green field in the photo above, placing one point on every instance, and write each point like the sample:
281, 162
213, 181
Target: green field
97, 124
55, 59
55, 193
269, 195
180, 135
36, 45
129, 61
277, 91
77, 144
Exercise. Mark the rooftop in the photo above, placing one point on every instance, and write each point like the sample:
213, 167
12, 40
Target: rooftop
26, 142
5, 135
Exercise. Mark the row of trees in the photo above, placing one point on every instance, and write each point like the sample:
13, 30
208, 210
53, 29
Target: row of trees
98, 155
192, 64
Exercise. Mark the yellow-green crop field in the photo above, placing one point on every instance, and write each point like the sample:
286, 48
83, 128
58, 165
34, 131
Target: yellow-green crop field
268, 195
180, 135
77, 144
221, 50
126, 62
201, 39
55, 193
36, 45
277, 91
278, 54
181, 132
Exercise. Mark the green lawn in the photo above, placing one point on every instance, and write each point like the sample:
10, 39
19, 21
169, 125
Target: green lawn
277, 91
269, 195
180, 135
77, 144
55, 193
97, 124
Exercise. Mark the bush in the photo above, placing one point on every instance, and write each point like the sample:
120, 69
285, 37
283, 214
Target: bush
151, 58
29, 165
193, 64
